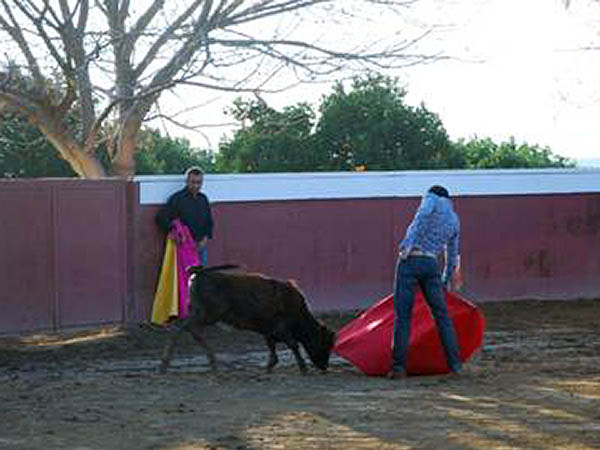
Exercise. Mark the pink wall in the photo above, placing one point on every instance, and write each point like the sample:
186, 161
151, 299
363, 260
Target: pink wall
545, 246
339, 251
78, 253
63, 254
26, 257
342, 252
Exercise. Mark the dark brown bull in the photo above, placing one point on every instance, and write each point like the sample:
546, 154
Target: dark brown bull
276, 309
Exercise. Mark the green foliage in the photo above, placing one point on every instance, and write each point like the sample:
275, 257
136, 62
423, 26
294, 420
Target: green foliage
269, 140
25, 153
368, 127
159, 154
371, 126
486, 154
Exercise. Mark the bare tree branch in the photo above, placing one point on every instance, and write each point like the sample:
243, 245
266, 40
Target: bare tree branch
18, 104
196, 127
39, 22
145, 19
164, 37
13, 29
257, 12
106, 61
73, 41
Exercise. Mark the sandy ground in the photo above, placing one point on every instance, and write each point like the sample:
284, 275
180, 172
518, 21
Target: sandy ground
535, 384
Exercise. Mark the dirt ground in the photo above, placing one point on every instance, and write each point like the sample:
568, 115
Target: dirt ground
535, 384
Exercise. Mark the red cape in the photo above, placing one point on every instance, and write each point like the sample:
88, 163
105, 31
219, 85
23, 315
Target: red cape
367, 340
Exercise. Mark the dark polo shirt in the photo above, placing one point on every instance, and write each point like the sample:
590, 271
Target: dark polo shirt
194, 211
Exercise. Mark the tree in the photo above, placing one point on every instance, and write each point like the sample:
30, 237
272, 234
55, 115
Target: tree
367, 127
269, 140
486, 154
371, 127
108, 62
25, 153
567, 3
159, 154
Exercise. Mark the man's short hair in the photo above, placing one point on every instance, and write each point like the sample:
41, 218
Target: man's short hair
440, 191
194, 170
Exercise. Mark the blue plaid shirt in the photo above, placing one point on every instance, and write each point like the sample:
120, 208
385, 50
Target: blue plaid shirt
435, 228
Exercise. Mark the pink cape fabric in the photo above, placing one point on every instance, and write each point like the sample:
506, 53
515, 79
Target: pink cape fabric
187, 256
367, 340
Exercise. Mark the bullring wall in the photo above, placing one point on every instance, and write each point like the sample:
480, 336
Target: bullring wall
525, 233
80, 252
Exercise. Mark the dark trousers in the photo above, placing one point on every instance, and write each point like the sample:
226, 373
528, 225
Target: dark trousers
421, 271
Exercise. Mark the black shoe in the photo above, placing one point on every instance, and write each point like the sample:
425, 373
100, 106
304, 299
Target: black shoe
396, 374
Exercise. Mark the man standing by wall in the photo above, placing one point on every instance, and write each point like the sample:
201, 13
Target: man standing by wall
435, 228
192, 207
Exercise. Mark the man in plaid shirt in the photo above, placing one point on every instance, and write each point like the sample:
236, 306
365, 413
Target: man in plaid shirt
434, 230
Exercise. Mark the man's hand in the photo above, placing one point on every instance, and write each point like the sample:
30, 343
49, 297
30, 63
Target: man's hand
176, 236
455, 282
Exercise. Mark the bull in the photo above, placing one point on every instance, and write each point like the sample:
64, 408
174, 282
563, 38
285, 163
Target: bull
276, 309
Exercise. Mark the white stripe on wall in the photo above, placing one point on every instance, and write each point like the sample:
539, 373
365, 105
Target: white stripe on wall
155, 189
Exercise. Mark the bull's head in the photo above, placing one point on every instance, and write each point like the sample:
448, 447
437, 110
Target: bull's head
321, 351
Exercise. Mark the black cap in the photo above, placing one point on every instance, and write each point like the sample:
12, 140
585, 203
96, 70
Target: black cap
440, 191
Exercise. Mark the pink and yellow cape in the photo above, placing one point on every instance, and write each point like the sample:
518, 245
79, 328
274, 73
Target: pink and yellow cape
172, 298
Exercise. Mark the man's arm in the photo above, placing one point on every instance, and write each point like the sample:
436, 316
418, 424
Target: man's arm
451, 258
167, 214
210, 223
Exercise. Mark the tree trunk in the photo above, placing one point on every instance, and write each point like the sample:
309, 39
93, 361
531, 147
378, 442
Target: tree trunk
84, 164
124, 163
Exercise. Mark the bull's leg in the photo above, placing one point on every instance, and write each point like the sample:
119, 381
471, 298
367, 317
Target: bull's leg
170, 348
197, 331
293, 345
273, 360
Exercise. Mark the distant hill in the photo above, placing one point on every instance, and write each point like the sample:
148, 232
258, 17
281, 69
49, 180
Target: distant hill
588, 162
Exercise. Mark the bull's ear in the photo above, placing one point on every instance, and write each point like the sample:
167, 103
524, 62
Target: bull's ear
194, 269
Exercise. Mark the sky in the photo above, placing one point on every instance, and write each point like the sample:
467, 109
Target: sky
516, 68
533, 83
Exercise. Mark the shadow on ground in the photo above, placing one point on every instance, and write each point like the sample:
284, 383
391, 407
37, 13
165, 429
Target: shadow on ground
535, 384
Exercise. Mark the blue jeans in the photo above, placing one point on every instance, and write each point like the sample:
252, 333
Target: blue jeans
424, 272
201, 255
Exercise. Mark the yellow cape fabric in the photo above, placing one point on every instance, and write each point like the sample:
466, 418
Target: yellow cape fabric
166, 298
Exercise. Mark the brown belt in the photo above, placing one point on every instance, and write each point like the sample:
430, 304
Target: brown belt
416, 252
